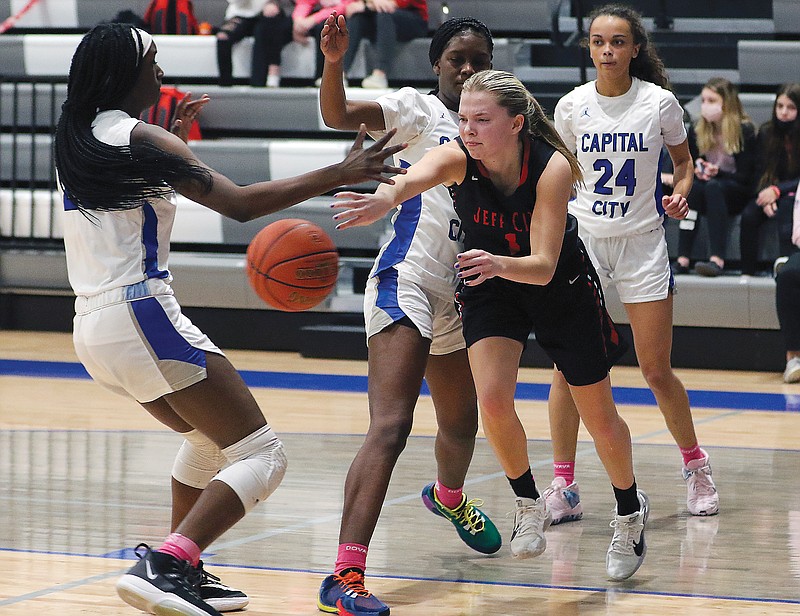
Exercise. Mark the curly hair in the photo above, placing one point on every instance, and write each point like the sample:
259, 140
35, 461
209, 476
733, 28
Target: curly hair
647, 65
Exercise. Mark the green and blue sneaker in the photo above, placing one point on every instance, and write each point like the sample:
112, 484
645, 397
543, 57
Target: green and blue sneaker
473, 526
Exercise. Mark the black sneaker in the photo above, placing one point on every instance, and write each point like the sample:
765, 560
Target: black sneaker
221, 597
163, 585
708, 269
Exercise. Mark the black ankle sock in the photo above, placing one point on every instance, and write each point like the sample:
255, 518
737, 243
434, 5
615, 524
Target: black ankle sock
524, 485
627, 500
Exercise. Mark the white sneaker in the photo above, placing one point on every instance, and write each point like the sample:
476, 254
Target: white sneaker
531, 519
563, 501
701, 497
375, 82
792, 372
778, 265
626, 552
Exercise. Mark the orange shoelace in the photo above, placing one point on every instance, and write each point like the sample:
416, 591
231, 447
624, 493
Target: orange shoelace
354, 581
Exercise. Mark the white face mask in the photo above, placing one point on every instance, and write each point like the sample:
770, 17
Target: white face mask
711, 112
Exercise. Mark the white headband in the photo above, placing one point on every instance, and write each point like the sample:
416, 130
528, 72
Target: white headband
147, 41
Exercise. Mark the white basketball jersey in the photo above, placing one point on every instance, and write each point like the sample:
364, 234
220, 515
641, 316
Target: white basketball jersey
426, 233
106, 250
618, 142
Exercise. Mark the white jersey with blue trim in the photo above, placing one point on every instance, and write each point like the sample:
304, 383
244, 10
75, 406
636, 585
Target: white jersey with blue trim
110, 249
618, 141
426, 233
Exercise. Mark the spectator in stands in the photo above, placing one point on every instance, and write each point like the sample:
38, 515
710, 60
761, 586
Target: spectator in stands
722, 142
118, 175
269, 22
618, 125
787, 299
777, 175
308, 20
385, 23
413, 329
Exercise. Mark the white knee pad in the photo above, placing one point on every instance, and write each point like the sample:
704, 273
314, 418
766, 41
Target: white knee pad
198, 460
258, 464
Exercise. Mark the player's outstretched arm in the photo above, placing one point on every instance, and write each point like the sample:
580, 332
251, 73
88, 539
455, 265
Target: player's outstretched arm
245, 203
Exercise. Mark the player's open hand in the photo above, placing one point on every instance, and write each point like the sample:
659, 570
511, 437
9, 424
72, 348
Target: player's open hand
334, 38
360, 209
364, 164
186, 112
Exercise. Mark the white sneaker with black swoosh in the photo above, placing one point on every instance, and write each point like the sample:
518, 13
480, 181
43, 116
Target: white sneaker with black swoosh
163, 585
626, 552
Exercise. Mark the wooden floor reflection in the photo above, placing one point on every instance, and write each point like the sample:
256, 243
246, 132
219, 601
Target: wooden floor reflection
84, 478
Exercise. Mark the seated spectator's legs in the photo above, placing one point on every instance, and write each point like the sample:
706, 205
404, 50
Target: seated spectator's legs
752, 219
784, 216
232, 31
724, 198
316, 33
390, 28
688, 229
717, 199
787, 301
271, 35
360, 26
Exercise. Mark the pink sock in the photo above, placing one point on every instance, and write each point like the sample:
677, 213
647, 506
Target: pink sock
565, 469
449, 497
693, 453
181, 548
350, 555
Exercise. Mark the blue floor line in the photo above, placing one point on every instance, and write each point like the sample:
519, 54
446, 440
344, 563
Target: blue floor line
789, 403
461, 580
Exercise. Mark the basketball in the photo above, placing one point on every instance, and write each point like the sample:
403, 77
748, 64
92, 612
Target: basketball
292, 264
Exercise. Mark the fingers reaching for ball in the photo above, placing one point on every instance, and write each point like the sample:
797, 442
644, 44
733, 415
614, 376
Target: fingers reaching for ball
369, 164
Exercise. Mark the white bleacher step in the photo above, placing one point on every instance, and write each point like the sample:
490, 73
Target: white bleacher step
185, 58
767, 62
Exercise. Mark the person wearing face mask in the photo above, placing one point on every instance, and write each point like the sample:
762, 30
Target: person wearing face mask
777, 175
722, 142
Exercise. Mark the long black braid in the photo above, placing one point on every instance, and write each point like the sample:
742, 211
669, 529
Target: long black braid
454, 27
93, 174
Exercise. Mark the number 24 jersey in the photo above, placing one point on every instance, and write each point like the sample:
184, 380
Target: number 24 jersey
618, 141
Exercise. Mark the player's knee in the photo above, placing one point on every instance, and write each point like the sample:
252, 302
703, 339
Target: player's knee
197, 461
657, 377
258, 464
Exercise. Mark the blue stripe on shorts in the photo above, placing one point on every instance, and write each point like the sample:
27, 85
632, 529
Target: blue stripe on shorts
161, 334
387, 294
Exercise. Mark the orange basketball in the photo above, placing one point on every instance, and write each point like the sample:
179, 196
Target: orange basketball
292, 264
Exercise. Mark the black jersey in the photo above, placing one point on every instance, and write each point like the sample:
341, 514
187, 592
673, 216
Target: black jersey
500, 224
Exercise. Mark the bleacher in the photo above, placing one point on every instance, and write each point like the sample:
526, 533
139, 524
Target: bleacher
257, 133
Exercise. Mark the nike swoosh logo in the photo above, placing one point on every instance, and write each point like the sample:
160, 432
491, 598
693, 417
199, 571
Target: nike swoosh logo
638, 548
574, 279
149, 571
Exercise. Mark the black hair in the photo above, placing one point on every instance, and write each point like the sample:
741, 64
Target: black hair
93, 174
783, 146
647, 65
453, 27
